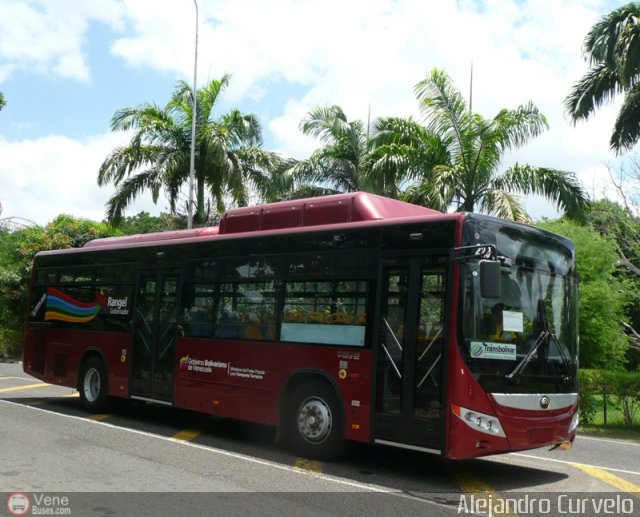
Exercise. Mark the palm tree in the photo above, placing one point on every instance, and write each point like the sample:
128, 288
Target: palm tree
228, 157
348, 161
402, 152
612, 49
335, 167
457, 153
2, 101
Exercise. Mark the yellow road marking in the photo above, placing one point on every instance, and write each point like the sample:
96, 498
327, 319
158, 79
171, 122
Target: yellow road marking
187, 435
471, 484
611, 479
100, 417
309, 465
25, 387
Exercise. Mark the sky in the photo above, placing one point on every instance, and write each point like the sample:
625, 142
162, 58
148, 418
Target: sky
66, 66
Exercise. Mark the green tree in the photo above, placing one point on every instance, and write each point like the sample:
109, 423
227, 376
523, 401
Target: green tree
17, 250
337, 166
3, 101
604, 296
464, 153
143, 222
620, 224
612, 50
341, 164
228, 158
354, 157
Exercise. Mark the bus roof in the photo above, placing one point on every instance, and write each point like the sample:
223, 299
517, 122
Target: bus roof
317, 211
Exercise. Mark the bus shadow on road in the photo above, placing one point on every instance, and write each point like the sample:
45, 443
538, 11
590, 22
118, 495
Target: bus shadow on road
396, 469
168, 422
401, 469
505, 476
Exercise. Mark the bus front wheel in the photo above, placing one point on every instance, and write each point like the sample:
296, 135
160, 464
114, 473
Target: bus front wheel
93, 385
314, 423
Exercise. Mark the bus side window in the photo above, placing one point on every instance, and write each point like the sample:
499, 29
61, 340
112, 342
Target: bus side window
246, 310
197, 312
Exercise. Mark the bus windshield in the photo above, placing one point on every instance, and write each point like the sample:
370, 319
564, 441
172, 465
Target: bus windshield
526, 339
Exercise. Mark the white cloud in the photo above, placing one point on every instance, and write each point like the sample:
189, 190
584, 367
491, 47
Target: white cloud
47, 36
42, 178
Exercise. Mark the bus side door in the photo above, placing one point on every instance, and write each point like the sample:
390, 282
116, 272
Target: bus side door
156, 330
409, 355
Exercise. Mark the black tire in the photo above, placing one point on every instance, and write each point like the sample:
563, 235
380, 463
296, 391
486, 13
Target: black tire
313, 421
93, 385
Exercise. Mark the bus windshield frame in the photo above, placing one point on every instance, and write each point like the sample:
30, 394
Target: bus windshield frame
524, 340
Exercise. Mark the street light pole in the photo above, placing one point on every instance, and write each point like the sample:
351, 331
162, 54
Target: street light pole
192, 169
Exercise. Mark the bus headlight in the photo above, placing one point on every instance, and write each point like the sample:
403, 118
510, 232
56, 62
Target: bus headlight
488, 424
574, 422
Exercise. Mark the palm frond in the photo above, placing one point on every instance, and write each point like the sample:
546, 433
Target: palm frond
559, 187
445, 112
516, 128
614, 41
504, 204
327, 123
243, 129
130, 189
132, 118
597, 87
211, 91
123, 161
626, 130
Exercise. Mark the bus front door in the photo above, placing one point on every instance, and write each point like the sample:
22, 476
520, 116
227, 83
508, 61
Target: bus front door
409, 356
155, 332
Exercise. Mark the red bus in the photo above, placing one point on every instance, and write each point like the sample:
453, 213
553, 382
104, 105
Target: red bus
347, 317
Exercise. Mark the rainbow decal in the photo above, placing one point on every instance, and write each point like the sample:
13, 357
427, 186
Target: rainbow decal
184, 362
62, 307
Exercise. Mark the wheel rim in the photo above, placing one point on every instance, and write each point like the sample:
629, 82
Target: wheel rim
314, 420
91, 386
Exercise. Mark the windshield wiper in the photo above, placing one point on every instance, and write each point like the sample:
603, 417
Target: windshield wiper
546, 336
566, 362
543, 337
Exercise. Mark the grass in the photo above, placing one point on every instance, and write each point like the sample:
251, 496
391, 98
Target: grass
614, 428
614, 431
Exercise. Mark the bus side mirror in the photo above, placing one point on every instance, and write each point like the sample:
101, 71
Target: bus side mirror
490, 279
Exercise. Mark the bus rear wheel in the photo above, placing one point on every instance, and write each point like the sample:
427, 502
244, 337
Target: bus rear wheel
314, 422
93, 385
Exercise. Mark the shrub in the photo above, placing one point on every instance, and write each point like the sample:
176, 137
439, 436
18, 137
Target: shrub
10, 344
622, 386
590, 387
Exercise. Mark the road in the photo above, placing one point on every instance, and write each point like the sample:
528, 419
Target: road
152, 460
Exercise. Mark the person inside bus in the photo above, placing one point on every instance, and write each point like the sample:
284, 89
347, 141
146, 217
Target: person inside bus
227, 323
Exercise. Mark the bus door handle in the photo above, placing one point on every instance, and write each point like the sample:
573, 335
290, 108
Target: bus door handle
428, 347
393, 363
393, 334
424, 378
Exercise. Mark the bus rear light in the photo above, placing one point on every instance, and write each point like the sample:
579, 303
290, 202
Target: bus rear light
479, 421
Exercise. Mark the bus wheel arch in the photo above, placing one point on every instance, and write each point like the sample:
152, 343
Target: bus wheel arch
93, 382
312, 416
